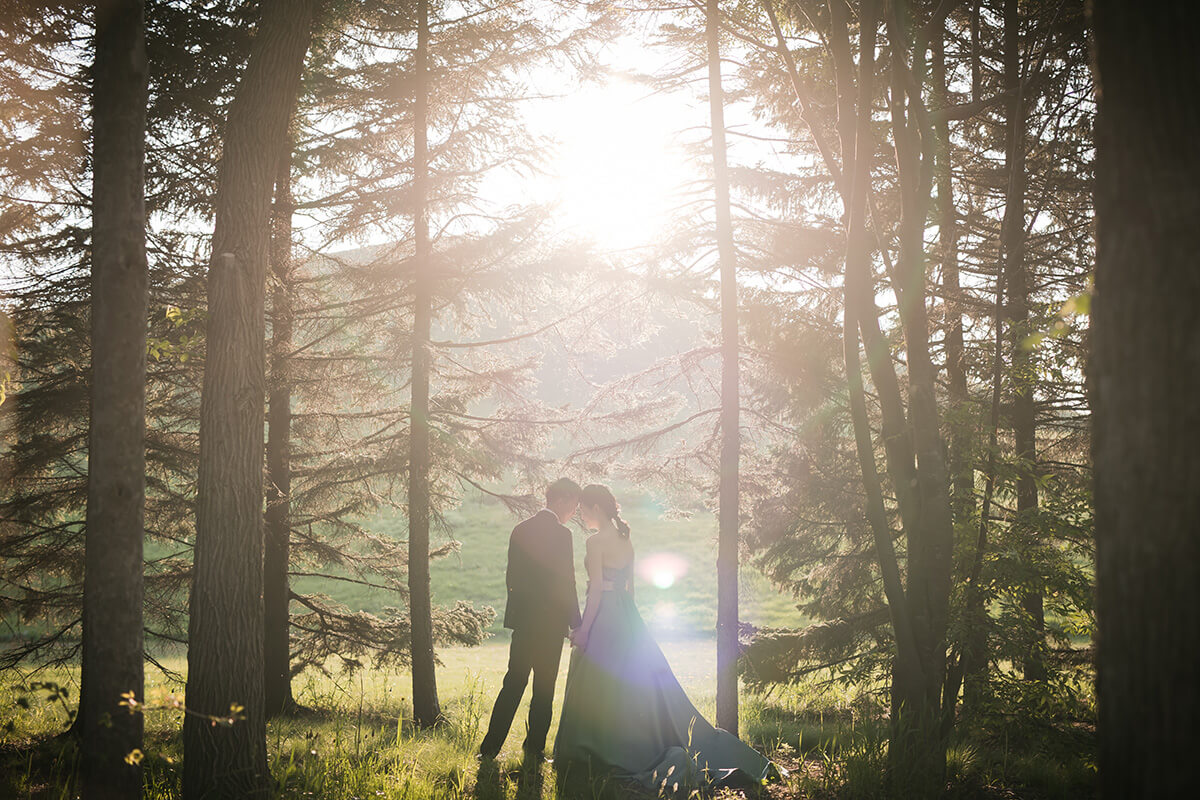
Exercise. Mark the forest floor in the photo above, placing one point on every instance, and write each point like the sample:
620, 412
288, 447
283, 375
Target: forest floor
354, 740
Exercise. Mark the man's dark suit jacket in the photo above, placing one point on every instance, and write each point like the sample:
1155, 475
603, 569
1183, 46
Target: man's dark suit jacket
541, 577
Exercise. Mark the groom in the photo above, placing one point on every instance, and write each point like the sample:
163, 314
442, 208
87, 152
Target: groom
542, 606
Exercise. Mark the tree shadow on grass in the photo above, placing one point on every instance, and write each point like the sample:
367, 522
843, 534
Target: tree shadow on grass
44, 767
528, 781
489, 782
582, 781
492, 781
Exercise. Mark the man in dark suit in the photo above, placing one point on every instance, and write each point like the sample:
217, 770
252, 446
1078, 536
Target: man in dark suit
542, 607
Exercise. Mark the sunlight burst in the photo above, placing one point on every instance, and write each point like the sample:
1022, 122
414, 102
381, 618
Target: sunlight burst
617, 170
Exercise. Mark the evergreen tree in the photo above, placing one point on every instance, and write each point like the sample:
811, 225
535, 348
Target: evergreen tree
225, 619
727, 554
348, 371
112, 580
793, 84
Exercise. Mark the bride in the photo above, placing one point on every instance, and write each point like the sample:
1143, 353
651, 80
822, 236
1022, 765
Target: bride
624, 709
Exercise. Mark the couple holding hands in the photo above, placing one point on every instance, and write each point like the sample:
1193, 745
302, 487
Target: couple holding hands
623, 710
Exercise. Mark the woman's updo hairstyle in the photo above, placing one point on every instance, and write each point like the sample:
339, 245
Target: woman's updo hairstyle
595, 494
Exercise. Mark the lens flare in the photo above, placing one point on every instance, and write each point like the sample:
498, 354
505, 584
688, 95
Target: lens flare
662, 570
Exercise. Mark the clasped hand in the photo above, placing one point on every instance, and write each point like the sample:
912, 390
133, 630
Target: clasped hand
578, 637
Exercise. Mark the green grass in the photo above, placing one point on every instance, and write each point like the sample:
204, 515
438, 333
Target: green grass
356, 740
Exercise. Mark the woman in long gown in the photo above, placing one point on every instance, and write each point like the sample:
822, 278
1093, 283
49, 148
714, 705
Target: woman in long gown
624, 708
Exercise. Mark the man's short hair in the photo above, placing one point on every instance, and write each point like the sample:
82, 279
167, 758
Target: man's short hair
562, 489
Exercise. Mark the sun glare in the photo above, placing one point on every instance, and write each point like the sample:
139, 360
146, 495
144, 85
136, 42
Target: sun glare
662, 569
616, 169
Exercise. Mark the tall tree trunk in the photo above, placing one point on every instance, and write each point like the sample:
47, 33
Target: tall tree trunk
858, 148
962, 476
916, 756
727, 492
277, 685
963, 484
973, 660
918, 763
426, 710
1012, 247
897, 436
225, 626
1145, 380
112, 587
895, 429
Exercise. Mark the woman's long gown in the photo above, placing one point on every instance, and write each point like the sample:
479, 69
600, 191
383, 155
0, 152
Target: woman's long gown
624, 708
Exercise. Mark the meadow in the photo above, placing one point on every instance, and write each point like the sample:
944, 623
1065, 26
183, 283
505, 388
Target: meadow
676, 577
354, 739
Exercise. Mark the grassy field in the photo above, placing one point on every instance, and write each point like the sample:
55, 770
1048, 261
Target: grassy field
683, 549
355, 740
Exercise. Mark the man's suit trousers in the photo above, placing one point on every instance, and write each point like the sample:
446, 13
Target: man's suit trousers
539, 652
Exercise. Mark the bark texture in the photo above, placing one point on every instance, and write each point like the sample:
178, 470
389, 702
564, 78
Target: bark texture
1145, 380
112, 588
727, 491
426, 709
225, 628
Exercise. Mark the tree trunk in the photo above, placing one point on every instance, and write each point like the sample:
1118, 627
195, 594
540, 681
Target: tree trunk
1145, 380
727, 492
916, 756
858, 147
426, 710
112, 589
962, 475
973, 660
963, 484
1012, 247
917, 752
277, 685
225, 626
